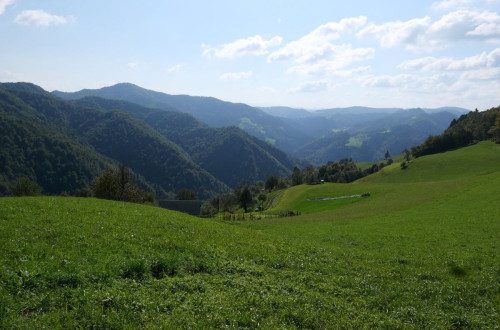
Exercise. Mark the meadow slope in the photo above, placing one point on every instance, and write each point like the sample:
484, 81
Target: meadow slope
421, 252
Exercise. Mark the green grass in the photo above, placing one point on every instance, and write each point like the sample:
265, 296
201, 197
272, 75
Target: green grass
355, 141
421, 252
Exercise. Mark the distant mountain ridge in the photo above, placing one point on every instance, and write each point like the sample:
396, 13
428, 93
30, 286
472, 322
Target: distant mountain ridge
212, 111
316, 136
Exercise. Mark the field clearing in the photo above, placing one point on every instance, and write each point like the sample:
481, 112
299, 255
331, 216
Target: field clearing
421, 252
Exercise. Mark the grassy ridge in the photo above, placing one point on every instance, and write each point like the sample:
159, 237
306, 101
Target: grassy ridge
417, 255
395, 189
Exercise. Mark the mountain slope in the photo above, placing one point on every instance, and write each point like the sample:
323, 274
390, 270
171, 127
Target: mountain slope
115, 135
230, 154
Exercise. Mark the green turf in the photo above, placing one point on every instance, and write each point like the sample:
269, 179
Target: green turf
421, 252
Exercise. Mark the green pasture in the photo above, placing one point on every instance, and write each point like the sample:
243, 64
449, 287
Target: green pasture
422, 251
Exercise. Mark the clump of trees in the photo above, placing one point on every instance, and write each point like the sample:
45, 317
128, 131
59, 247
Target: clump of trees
186, 195
242, 197
342, 171
118, 184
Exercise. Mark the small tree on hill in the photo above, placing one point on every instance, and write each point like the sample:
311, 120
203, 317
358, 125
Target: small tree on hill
106, 186
245, 198
271, 182
262, 198
407, 154
296, 176
388, 158
494, 131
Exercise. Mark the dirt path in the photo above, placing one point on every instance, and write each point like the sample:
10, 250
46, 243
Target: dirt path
332, 198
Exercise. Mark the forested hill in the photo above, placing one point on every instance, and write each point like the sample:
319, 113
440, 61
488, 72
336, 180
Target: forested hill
63, 146
168, 150
230, 154
469, 128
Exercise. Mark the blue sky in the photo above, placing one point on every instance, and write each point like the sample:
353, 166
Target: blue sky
309, 54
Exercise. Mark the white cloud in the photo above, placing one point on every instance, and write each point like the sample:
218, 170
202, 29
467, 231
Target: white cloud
266, 89
423, 34
4, 4
340, 57
313, 87
249, 46
411, 83
316, 45
236, 75
175, 68
490, 74
394, 33
133, 65
352, 72
41, 18
481, 61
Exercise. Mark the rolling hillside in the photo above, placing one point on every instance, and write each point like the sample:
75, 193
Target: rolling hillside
425, 179
420, 252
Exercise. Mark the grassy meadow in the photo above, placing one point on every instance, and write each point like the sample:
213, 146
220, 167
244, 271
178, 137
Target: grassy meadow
422, 251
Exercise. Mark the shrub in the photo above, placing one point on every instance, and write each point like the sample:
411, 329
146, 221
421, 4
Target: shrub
208, 210
25, 187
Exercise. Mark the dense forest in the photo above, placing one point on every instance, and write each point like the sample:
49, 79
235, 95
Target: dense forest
64, 146
469, 128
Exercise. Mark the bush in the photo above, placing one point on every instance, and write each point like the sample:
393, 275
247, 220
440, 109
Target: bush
25, 187
208, 210
84, 192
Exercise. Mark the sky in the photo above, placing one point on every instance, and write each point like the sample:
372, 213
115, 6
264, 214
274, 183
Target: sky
305, 54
